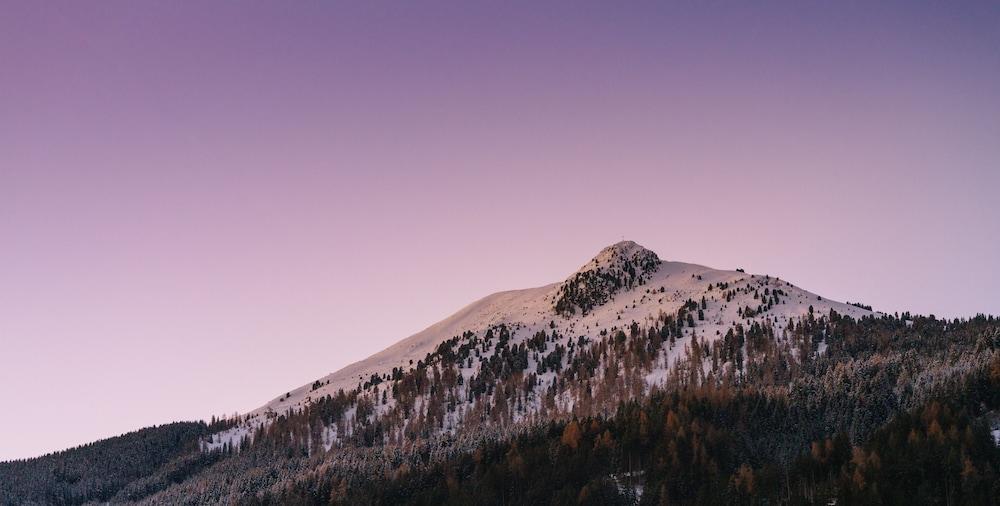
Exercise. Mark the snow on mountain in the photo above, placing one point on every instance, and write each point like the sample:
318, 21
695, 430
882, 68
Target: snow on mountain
624, 282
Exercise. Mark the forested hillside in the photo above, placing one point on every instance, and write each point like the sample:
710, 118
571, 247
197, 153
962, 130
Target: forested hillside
896, 408
97, 471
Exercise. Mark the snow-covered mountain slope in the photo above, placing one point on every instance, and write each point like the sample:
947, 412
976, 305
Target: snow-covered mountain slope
503, 307
624, 283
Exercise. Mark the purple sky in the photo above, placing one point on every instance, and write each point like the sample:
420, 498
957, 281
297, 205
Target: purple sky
202, 206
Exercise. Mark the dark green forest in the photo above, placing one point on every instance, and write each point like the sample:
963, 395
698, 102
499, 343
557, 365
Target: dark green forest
96, 472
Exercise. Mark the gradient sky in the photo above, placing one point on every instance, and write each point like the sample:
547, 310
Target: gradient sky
204, 204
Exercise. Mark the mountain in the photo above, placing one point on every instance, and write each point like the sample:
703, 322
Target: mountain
622, 284
632, 380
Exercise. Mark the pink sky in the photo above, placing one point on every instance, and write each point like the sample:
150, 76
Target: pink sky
204, 206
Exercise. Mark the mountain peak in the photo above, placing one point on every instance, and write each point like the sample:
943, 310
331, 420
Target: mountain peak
622, 265
618, 252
